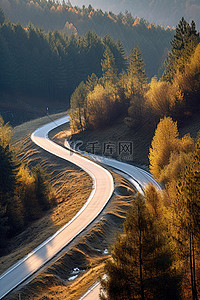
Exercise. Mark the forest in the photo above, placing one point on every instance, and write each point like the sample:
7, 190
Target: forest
49, 64
153, 40
165, 12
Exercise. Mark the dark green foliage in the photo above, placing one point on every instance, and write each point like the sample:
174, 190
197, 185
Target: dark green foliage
79, 95
153, 40
136, 65
3, 226
135, 83
77, 101
115, 92
184, 43
109, 69
167, 13
92, 82
49, 64
43, 187
8, 171
8, 181
2, 16
141, 264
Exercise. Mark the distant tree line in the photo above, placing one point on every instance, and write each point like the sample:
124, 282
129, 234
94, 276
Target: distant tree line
51, 64
166, 13
154, 41
24, 193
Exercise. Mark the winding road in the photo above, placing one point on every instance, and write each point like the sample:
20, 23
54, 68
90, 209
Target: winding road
102, 191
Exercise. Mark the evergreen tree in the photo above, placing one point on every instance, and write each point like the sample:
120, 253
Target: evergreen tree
121, 59
91, 82
184, 43
109, 69
134, 87
2, 16
42, 187
136, 65
8, 180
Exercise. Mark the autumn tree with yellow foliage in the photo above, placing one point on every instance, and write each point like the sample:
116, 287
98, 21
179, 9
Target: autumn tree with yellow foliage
168, 151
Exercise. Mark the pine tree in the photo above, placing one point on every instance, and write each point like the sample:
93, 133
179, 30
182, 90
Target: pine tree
120, 58
109, 69
91, 82
42, 187
184, 43
136, 65
2, 16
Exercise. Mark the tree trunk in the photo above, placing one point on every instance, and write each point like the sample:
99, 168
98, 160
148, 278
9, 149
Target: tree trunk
191, 268
194, 270
141, 263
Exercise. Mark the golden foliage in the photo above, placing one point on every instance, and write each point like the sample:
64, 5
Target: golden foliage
6, 133
162, 145
100, 106
164, 96
168, 153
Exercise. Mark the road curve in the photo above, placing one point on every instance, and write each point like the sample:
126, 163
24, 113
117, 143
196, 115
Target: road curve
102, 190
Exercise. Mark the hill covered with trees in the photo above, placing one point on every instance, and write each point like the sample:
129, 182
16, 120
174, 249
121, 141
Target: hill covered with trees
48, 66
154, 41
162, 12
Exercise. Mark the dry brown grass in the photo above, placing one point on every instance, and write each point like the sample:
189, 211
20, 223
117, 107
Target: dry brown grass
21, 131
